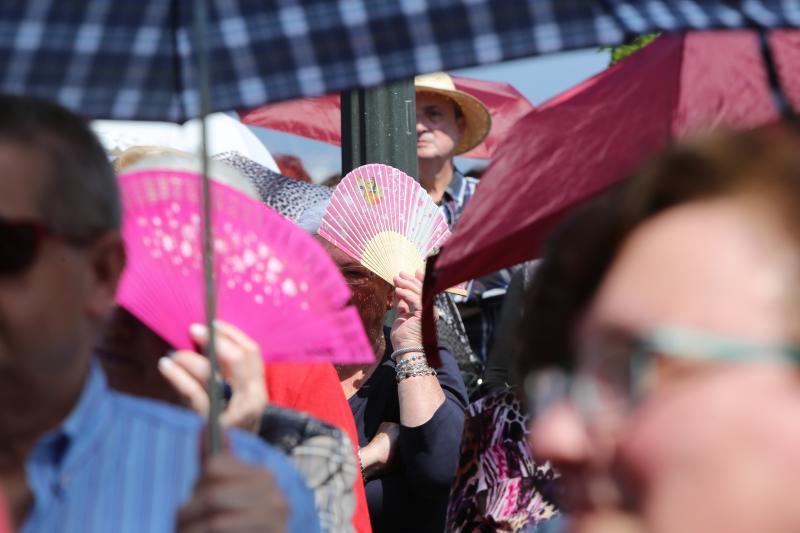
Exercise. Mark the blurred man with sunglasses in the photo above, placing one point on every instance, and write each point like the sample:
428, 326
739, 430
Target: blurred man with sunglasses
681, 411
75, 456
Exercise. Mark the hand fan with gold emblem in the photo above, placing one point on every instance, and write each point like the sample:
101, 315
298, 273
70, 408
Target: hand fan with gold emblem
384, 219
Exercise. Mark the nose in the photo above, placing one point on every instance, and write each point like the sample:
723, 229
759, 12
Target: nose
559, 435
421, 126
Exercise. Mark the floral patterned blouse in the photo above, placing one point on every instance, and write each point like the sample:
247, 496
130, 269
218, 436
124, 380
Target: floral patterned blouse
498, 486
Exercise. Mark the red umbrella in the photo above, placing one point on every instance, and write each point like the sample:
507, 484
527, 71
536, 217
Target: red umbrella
319, 118
580, 142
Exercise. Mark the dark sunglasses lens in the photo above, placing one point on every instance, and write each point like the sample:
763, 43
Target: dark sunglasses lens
18, 246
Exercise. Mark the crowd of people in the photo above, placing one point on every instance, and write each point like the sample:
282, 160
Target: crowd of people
638, 376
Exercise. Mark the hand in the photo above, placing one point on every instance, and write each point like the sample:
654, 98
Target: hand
407, 327
378, 454
241, 366
233, 497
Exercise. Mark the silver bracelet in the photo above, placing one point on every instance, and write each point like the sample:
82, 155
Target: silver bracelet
403, 351
412, 368
415, 373
412, 359
360, 462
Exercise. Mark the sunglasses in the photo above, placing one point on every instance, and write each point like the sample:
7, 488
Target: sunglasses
20, 242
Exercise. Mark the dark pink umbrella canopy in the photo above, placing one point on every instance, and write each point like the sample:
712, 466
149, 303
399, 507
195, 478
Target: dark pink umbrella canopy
582, 141
319, 118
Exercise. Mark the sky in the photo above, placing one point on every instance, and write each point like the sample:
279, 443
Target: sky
537, 78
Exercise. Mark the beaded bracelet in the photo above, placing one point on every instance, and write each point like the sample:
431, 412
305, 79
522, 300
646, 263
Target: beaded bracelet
418, 360
412, 366
415, 373
412, 359
403, 351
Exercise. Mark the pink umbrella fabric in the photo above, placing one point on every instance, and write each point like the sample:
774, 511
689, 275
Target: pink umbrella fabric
579, 143
319, 118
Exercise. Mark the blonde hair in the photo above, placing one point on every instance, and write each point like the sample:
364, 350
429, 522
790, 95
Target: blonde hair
135, 154
142, 157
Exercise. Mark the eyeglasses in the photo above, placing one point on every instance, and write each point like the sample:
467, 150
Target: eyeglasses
615, 372
20, 241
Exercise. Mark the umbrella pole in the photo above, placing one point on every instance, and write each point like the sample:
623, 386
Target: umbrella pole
214, 431
379, 126
787, 113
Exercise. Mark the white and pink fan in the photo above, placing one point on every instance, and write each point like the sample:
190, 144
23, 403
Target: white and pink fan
273, 280
384, 219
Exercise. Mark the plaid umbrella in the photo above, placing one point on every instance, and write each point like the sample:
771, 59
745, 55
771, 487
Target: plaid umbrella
133, 60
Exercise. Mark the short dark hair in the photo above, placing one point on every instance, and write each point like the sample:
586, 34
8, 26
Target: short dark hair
575, 259
80, 198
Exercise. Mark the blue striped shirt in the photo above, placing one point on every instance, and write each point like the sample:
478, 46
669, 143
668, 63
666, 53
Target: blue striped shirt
123, 464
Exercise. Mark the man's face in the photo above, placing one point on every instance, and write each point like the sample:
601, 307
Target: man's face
45, 326
438, 128
716, 267
372, 296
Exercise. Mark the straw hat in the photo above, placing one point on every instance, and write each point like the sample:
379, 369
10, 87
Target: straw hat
477, 120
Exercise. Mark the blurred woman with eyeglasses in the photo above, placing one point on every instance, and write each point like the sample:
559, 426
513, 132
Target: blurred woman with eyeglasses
692, 296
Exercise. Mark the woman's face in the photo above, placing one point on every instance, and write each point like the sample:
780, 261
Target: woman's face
129, 352
372, 296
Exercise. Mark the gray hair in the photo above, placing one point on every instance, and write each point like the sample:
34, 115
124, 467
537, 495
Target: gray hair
80, 196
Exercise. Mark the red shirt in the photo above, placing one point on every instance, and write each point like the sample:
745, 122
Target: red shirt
315, 389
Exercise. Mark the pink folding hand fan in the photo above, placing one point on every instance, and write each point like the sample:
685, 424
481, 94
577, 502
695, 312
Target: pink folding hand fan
384, 219
273, 280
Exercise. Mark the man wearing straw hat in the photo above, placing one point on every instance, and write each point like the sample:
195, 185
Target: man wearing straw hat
451, 122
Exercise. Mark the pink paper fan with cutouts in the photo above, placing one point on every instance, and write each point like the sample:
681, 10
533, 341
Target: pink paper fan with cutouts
273, 281
381, 217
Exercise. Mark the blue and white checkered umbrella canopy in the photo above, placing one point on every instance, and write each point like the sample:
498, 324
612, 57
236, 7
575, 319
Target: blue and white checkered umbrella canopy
133, 59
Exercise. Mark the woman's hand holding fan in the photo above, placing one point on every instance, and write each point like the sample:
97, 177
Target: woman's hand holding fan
422, 395
407, 326
241, 365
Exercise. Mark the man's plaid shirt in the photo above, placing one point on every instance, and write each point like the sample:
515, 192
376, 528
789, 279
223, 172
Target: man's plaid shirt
494, 285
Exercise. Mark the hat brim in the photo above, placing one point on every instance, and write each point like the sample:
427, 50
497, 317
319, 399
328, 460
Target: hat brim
477, 119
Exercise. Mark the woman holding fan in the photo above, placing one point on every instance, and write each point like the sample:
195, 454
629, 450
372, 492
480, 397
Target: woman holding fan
409, 415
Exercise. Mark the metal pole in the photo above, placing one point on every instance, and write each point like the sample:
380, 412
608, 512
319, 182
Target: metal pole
782, 103
379, 126
214, 443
